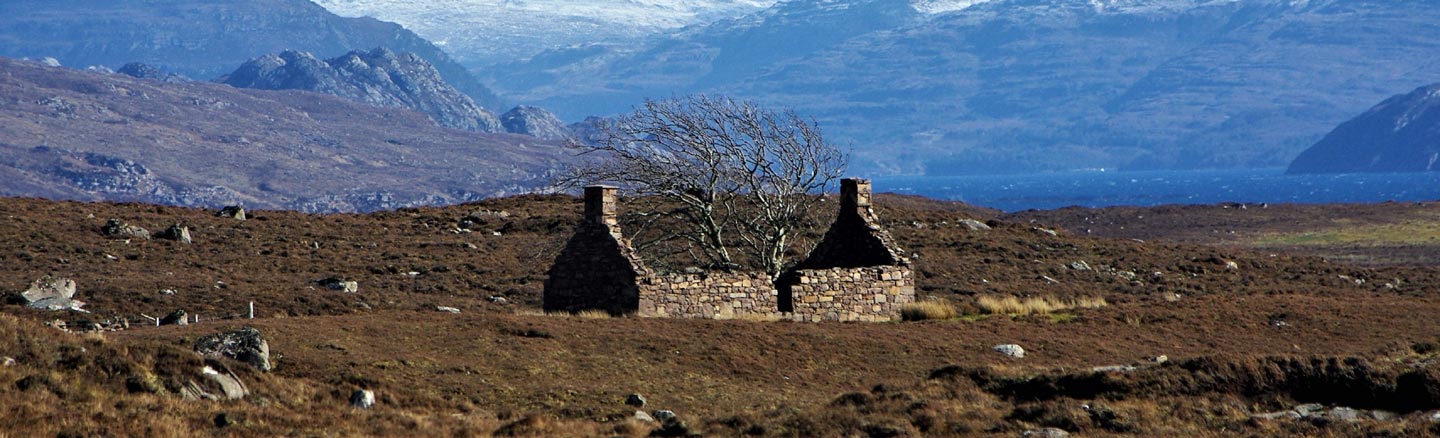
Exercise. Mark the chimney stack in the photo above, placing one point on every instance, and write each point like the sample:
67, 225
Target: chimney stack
854, 193
600, 205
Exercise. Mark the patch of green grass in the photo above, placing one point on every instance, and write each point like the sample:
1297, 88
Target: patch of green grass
1403, 233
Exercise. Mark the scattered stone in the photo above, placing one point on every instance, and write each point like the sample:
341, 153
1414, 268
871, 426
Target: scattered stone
362, 398
1049, 280
1048, 432
333, 283
498, 300
119, 229
245, 345
1231, 265
178, 317
642, 416
1277, 415
52, 293
1011, 350
1046, 231
1127, 275
665, 415
234, 212
447, 309
177, 232
635, 400
1113, 369
1344, 414
7, 361
167, 292
974, 225
1159, 359
49, 62
1080, 265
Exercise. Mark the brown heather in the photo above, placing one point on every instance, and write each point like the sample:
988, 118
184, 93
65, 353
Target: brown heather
508, 370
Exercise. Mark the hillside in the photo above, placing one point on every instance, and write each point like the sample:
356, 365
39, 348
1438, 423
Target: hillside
70, 134
204, 39
1268, 334
1025, 85
1401, 134
378, 77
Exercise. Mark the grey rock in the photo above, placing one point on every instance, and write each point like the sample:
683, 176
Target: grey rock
1309, 409
49, 62
7, 361
119, 229
245, 345
177, 232
1159, 359
535, 122
1011, 350
346, 286
234, 212
1113, 369
1080, 265
230, 385
447, 309
974, 225
1344, 414
1277, 415
146, 71
1048, 432
642, 416
665, 415
178, 317
52, 293
498, 300
1046, 231
636, 400
362, 398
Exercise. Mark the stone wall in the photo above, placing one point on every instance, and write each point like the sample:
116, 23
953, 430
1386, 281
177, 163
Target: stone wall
718, 295
849, 294
856, 273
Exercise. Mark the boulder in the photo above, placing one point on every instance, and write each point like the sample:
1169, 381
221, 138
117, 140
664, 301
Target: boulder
177, 232
447, 309
52, 293
245, 345
362, 399
665, 415
234, 212
178, 317
119, 229
635, 400
1011, 350
1048, 432
974, 225
644, 417
7, 361
218, 384
333, 283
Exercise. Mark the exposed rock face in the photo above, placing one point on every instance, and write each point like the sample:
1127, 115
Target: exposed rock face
52, 293
147, 71
119, 229
1401, 134
362, 398
535, 122
379, 77
245, 345
177, 232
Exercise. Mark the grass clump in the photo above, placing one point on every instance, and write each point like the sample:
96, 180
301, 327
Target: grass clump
931, 309
1010, 305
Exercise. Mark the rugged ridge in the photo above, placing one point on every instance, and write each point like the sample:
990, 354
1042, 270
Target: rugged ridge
68, 134
378, 77
204, 39
1401, 134
535, 122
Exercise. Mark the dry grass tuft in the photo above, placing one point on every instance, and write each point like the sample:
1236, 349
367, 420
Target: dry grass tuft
593, 314
931, 309
1009, 305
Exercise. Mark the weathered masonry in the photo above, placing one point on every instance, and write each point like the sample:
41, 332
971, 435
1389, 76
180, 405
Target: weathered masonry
856, 273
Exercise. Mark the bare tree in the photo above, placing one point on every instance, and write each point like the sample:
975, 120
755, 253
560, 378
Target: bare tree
742, 176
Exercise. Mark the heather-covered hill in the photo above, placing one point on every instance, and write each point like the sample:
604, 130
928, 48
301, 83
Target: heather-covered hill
71, 134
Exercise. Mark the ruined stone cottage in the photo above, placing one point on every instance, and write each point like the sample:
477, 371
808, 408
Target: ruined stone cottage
856, 273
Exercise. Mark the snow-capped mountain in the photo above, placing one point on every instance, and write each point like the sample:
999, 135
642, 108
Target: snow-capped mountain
943, 86
481, 32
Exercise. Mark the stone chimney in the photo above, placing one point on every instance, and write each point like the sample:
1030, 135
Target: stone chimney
600, 207
855, 198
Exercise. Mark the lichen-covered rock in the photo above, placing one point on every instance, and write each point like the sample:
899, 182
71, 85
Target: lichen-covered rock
245, 345
52, 293
177, 232
1011, 350
234, 212
178, 317
362, 399
119, 229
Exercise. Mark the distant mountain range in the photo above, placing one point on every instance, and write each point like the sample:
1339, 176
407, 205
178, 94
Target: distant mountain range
484, 32
1401, 134
1025, 85
69, 134
204, 39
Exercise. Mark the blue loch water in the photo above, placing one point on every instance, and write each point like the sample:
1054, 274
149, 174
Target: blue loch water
1110, 188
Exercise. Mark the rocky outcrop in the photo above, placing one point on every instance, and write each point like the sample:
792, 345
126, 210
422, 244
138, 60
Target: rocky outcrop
535, 122
1401, 134
379, 77
147, 71
52, 293
245, 345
